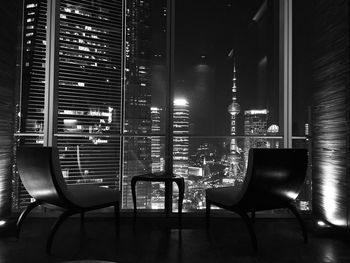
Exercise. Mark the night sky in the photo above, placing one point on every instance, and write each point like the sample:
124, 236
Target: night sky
206, 31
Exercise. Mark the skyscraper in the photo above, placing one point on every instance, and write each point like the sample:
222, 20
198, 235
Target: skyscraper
138, 54
90, 66
158, 161
255, 124
144, 44
30, 110
88, 57
181, 139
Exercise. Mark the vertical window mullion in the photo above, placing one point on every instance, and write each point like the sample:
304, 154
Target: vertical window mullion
285, 74
51, 72
122, 112
170, 94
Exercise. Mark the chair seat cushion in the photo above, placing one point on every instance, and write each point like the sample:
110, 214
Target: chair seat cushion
227, 196
92, 195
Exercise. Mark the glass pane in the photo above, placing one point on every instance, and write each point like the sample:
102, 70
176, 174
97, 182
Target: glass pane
226, 64
145, 66
30, 109
212, 164
90, 160
20, 197
302, 89
146, 89
90, 91
145, 155
225, 83
90, 67
302, 66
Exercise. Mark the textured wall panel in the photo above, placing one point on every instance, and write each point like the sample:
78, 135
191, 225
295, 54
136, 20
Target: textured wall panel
8, 33
331, 112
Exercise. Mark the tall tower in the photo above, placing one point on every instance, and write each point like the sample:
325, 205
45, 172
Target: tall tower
234, 158
234, 108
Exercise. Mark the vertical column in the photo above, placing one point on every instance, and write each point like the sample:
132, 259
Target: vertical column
170, 94
169, 101
285, 68
51, 72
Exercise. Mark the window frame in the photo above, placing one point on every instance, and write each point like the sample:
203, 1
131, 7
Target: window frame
51, 82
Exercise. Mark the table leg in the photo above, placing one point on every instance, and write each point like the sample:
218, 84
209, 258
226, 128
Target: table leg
181, 186
133, 185
167, 194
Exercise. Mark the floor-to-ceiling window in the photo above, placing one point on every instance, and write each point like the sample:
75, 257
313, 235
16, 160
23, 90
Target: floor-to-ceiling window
108, 83
30, 107
146, 89
226, 76
72, 79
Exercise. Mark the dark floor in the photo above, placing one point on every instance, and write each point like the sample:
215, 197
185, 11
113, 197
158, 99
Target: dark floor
159, 240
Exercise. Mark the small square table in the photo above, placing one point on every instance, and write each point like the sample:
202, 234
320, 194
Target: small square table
168, 180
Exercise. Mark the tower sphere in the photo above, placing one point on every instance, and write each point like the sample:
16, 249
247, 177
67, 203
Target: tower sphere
234, 108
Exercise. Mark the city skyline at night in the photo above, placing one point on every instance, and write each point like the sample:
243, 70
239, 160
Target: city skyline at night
110, 129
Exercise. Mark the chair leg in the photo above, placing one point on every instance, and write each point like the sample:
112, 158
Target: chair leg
251, 230
23, 215
82, 218
207, 213
253, 217
55, 227
300, 220
116, 216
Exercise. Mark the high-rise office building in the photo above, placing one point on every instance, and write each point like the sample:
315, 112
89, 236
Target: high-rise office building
144, 51
157, 147
138, 54
255, 124
89, 67
88, 58
30, 111
181, 140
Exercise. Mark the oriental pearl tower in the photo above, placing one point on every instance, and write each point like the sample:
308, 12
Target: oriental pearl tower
234, 157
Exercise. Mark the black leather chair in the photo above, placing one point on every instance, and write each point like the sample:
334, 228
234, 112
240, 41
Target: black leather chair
41, 175
273, 180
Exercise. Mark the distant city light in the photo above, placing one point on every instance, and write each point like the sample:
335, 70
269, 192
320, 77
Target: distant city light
254, 112
321, 223
180, 102
273, 129
69, 121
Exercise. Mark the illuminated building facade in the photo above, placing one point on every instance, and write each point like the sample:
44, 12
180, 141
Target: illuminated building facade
88, 70
255, 124
157, 148
30, 112
89, 65
181, 139
138, 56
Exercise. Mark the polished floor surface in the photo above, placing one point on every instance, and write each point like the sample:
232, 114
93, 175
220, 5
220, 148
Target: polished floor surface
159, 240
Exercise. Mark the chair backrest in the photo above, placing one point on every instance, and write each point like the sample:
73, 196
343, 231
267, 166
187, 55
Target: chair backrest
38, 172
274, 177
